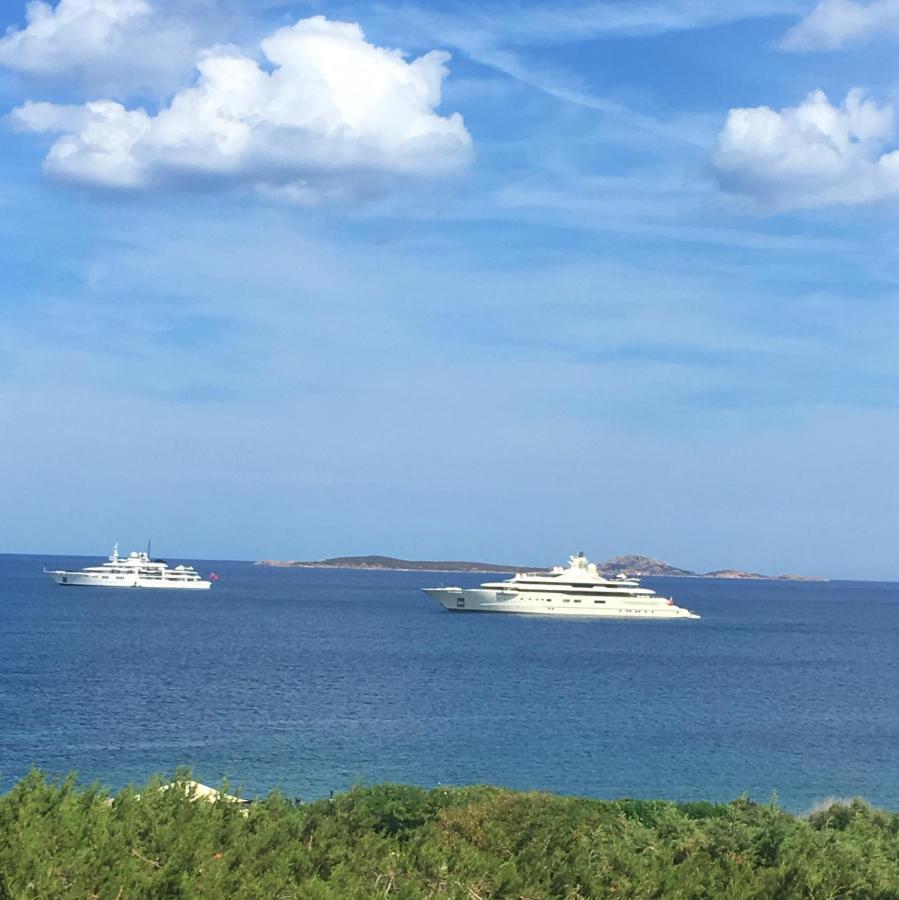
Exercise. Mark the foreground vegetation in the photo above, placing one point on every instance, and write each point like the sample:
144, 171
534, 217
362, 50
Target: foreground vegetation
58, 840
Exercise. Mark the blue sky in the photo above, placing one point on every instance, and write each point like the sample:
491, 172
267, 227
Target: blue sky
453, 280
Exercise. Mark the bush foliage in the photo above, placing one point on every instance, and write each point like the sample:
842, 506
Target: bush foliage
61, 841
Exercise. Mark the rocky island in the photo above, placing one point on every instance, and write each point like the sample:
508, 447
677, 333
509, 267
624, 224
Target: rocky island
391, 563
632, 566
635, 566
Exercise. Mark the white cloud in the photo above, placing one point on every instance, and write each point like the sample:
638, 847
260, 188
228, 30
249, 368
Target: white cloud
329, 106
57, 39
107, 42
835, 23
811, 155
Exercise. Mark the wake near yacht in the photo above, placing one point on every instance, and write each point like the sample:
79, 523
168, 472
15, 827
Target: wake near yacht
136, 570
578, 589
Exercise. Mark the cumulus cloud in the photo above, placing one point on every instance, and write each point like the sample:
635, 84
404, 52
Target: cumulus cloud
327, 107
815, 154
110, 42
834, 23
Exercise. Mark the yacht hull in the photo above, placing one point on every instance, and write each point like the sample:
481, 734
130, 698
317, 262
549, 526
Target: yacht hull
549, 604
78, 579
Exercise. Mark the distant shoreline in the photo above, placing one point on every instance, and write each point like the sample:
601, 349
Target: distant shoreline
500, 570
388, 564
631, 566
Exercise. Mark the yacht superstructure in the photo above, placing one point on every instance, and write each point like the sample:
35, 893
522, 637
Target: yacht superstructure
136, 570
578, 589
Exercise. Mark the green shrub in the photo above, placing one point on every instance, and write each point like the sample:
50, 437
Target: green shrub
58, 840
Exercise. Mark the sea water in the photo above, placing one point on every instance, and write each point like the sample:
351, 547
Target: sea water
312, 680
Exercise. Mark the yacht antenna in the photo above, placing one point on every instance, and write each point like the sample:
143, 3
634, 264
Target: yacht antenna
148, 547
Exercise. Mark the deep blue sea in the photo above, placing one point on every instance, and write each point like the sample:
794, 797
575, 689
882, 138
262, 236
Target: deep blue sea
310, 680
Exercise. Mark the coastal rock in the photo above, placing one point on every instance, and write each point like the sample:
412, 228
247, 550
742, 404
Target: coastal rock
636, 566
393, 564
631, 566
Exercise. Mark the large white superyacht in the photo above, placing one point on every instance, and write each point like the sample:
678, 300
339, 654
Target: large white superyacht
136, 570
578, 589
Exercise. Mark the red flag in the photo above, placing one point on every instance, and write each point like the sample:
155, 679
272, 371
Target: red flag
213, 576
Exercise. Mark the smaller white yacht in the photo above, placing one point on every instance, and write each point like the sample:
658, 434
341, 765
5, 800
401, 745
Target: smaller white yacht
136, 570
578, 589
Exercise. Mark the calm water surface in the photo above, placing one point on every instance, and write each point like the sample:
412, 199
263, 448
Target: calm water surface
312, 680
